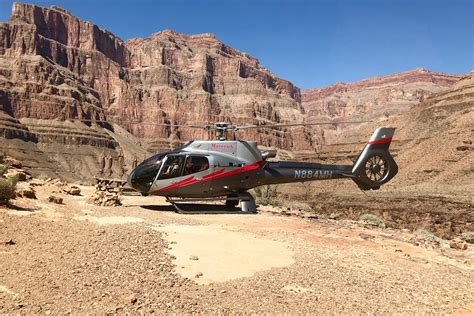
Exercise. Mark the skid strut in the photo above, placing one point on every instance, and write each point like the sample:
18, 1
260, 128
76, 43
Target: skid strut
247, 202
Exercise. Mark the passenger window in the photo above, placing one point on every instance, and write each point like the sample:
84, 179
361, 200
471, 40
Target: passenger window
172, 167
195, 164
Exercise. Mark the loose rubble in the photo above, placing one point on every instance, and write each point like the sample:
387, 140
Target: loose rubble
108, 266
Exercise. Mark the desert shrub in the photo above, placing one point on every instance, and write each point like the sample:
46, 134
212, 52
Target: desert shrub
372, 220
468, 237
43, 177
3, 169
307, 191
7, 188
334, 215
295, 205
266, 194
428, 236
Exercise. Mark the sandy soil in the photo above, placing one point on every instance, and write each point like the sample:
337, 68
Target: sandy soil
143, 257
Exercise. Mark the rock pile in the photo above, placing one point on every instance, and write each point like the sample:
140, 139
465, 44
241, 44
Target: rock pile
107, 192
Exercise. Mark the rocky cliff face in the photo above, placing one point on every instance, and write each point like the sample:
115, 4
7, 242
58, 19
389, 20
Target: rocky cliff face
372, 99
64, 82
49, 105
71, 93
181, 79
433, 143
161, 79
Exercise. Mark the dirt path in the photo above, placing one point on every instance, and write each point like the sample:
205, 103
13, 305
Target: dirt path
143, 257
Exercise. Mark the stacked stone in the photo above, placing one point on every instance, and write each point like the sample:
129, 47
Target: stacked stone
107, 192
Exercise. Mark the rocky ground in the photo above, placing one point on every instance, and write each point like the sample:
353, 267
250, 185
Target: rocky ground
142, 257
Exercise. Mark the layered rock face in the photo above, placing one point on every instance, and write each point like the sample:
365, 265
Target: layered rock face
433, 142
182, 79
51, 116
166, 78
372, 99
71, 93
65, 82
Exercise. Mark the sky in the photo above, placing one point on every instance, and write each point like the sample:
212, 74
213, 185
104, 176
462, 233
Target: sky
311, 43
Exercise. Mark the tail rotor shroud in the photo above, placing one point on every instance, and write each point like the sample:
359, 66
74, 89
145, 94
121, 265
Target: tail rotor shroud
375, 165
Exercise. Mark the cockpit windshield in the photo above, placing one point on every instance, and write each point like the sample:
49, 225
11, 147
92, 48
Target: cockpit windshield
143, 176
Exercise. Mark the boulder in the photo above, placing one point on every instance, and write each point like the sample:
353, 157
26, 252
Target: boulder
72, 190
458, 244
25, 191
55, 199
20, 174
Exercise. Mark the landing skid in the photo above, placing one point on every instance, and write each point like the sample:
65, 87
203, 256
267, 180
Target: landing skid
247, 204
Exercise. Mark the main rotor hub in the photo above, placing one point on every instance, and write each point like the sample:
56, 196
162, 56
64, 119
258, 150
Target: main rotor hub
221, 129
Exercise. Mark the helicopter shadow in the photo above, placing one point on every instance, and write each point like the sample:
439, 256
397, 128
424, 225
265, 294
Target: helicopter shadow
204, 209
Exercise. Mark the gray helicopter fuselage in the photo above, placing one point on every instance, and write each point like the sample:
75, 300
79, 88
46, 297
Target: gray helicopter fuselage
228, 168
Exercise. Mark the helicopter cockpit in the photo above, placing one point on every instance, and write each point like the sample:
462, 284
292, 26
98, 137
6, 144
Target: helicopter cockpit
145, 173
169, 165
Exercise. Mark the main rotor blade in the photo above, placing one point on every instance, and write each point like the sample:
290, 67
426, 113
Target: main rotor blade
229, 127
300, 124
153, 124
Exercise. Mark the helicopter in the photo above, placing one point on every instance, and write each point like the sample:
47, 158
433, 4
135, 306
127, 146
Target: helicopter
223, 169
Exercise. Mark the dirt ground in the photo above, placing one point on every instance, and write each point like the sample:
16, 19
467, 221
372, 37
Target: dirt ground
143, 257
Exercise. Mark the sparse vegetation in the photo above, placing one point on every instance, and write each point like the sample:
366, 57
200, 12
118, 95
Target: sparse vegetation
307, 191
428, 236
334, 215
296, 205
372, 220
43, 177
266, 194
468, 237
7, 185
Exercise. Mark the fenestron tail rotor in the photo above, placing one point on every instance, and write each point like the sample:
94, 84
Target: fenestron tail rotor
376, 168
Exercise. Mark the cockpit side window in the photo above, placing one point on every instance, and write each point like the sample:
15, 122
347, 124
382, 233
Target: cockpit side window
172, 167
195, 164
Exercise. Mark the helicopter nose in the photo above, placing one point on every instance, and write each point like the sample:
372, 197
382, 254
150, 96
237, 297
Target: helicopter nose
142, 177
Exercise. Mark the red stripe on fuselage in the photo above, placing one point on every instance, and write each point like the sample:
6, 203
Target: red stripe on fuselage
380, 141
236, 171
180, 183
212, 176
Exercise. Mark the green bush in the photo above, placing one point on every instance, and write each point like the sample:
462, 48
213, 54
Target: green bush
468, 237
3, 169
266, 194
428, 236
7, 188
372, 220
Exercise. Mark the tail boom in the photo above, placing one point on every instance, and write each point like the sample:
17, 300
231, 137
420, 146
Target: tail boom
373, 167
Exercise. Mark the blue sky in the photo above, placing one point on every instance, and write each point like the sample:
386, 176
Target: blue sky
311, 43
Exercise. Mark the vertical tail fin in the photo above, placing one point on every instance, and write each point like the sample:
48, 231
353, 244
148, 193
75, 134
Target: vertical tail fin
375, 166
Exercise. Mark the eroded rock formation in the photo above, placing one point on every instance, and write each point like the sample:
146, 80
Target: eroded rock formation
372, 99
72, 93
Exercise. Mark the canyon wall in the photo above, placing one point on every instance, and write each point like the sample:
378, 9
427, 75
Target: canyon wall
64, 84
372, 99
72, 93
